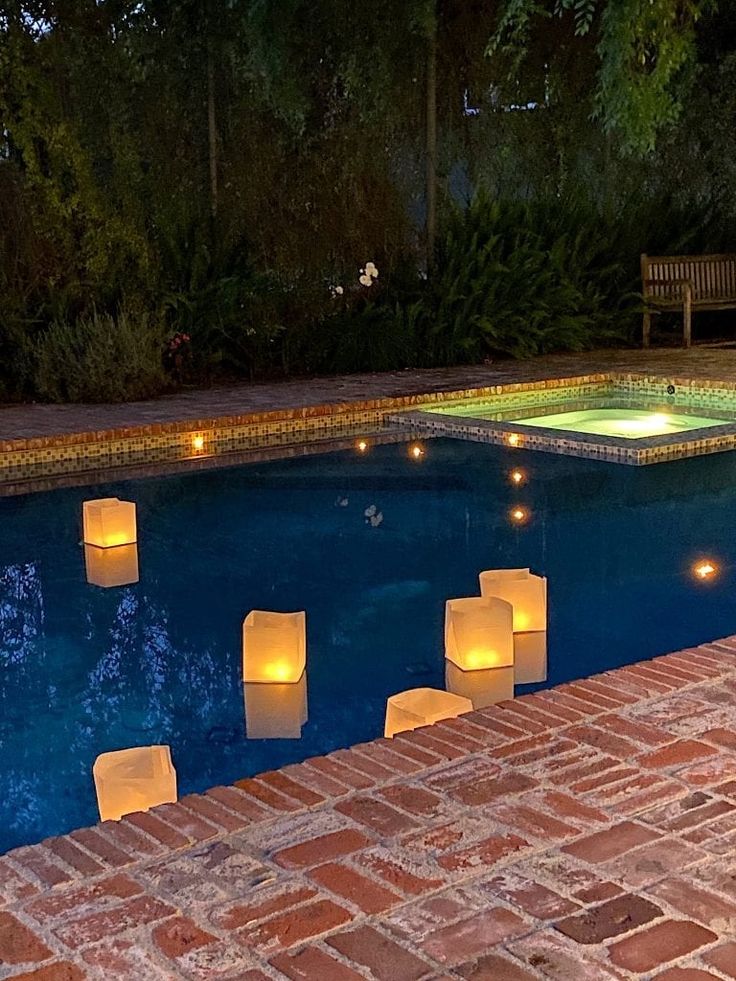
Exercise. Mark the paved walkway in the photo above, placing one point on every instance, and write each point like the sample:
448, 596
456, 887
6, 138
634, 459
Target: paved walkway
26, 421
579, 834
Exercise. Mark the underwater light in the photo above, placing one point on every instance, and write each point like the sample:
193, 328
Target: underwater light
517, 477
416, 451
519, 515
705, 569
361, 446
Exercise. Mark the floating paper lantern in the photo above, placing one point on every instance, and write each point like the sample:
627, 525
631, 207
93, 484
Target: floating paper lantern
526, 592
116, 566
274, 647
530, 657
479, 633
109, 522
421, 707
275, 711
482, 688
134, 780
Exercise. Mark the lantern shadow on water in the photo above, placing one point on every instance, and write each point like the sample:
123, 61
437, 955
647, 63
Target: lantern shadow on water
136, 779
275, 711
274, 647
481, 687
108, 522
108, 567
526, 592
479, 633
418, 707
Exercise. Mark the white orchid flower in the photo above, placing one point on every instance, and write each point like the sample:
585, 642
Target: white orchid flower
366, 280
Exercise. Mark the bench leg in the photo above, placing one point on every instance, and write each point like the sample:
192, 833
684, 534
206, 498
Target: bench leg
646, 328
687, 317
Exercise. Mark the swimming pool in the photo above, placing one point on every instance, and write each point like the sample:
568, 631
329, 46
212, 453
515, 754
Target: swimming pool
84, 670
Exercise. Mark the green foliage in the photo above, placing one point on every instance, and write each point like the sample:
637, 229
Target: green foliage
646, 48
101, 358
115, 116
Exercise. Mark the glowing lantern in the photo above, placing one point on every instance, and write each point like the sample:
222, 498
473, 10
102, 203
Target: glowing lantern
530, 657
108, 522
483, 688
421, 707
479, 633
274, 647
134, 780
526, 592
107, 567
275, 711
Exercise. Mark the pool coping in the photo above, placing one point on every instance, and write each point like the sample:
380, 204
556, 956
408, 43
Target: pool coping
618, 789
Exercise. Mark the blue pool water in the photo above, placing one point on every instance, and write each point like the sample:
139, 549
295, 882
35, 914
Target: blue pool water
84, 670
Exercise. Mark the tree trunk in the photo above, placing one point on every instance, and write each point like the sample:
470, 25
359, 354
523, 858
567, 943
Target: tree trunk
431, 149
212, 128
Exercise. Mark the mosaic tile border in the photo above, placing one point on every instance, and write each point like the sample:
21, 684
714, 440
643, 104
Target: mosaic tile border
35, 460
642, 452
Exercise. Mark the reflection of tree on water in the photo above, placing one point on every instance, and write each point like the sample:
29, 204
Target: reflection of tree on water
21, 612
145, 683
21, 636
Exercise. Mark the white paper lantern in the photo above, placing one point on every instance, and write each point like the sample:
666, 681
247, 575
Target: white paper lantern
274, 647
275, 711
530, 657
116, 566
108, 522
421, 707
135, 779
483, 688
479, 633
526, 592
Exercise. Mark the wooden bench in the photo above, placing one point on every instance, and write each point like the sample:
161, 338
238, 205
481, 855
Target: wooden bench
690, 282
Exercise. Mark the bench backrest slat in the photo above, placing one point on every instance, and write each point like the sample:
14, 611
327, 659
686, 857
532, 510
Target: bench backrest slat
713, 277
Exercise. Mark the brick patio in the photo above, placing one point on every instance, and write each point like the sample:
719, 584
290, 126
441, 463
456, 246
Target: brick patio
584, 833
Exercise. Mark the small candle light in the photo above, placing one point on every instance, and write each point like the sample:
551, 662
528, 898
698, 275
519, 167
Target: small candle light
705, 569
197, 443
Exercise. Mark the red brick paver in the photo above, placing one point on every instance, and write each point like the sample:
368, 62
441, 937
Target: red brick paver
588, 832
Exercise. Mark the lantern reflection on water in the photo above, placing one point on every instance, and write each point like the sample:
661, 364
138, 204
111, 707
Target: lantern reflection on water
108, 567
482, 688
530, 657
136, 779
275, 711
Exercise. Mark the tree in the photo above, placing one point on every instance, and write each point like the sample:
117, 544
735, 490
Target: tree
646, 50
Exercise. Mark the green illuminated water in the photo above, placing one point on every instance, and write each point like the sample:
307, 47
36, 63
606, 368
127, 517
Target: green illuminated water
626, 423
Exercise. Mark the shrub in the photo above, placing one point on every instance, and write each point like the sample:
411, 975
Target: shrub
102, 358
